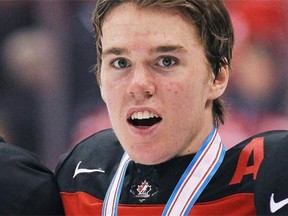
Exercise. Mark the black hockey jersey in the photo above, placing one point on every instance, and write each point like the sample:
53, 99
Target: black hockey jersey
85, 173
271, 192
27, 186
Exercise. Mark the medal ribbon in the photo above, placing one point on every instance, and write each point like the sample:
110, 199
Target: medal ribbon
191, 184
196, 177
112, 196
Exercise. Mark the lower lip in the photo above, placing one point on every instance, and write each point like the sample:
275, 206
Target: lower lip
144, 130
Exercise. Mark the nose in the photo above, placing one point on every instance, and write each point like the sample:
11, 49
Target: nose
141, 84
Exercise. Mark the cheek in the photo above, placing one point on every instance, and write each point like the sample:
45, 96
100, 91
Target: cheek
174, 88
104, 93
107, 94
177, 94
186, 96
179, 91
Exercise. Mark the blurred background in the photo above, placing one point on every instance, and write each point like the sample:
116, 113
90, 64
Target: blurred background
49, 99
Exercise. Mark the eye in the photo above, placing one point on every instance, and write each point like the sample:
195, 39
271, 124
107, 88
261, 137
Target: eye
166, 61
121, 63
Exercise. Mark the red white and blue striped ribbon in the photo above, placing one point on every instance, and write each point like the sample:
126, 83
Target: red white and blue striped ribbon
112, 196
196, 177
191, 184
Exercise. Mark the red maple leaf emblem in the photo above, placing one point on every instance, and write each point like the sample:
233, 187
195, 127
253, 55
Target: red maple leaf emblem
142, 186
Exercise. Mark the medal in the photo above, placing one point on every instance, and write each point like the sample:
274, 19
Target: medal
191, 184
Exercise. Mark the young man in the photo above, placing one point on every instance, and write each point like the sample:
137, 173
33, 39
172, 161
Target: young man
27, 186
162, 66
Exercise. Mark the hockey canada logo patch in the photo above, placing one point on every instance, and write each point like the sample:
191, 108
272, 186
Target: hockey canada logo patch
143, 190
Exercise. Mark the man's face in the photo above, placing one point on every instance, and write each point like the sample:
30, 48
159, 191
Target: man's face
156, 83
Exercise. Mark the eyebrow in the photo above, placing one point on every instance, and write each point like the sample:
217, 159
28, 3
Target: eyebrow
168, 48
159, 49
114, 51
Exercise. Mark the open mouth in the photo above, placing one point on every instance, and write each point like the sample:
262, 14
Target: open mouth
144, 119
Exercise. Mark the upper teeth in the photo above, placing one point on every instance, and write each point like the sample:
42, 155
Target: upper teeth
143, 115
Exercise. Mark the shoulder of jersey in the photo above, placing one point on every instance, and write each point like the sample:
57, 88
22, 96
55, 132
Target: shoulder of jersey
242, 162
92, 162
12, 155
24, 180
101, 147
271, 140
271, 192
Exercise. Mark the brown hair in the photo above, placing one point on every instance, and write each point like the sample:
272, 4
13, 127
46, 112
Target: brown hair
211, 19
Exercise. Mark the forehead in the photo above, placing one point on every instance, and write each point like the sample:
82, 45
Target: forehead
132, 8
147, 22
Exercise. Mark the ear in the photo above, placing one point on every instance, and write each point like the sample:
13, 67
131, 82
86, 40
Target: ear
219, 82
